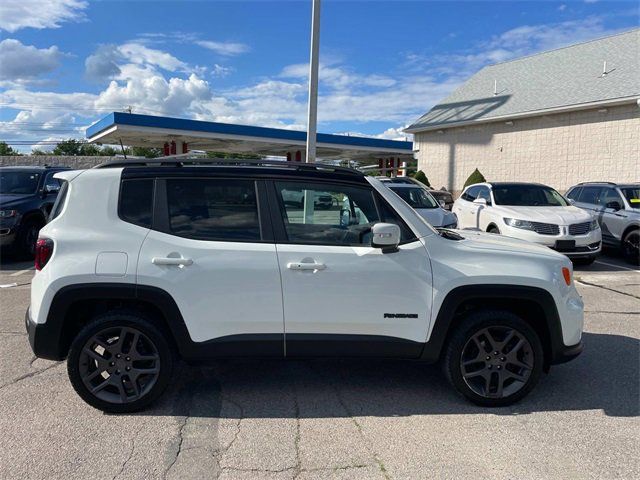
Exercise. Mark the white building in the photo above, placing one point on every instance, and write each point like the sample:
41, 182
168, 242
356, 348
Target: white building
558, 117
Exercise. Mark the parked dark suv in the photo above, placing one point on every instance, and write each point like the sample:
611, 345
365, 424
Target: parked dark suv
26, 197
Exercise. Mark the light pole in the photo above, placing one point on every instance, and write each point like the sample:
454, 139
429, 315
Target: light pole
312, 119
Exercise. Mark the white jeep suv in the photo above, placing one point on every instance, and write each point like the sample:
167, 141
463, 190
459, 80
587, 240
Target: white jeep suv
144, 263
531, 212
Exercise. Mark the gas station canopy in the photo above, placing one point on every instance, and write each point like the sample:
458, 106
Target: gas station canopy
177, 135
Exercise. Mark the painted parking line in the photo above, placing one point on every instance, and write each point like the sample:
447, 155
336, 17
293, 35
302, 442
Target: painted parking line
617, 266
21, 272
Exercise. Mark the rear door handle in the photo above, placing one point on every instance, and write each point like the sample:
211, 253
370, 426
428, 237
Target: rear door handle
306, 266
172, 261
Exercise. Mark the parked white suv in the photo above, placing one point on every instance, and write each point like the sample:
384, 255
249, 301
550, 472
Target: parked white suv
144, 263
533, 212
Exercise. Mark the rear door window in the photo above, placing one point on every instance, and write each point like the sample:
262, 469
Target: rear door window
213, 209
590, 195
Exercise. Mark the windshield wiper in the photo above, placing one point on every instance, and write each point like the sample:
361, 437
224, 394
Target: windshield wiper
449, 234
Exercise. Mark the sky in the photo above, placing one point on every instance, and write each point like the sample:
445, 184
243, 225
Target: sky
64, 64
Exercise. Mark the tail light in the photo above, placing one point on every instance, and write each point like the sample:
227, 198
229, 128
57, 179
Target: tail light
44, 250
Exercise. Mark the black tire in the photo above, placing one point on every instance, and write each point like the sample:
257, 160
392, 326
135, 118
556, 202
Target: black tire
505, 369
631, 247
584, 261
157, 358
27, 236
493, 229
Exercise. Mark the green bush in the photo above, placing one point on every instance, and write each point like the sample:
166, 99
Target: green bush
475, 177
422, 178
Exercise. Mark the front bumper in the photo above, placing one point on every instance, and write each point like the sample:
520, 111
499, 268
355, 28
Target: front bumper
7, 236
566, 354
587, 245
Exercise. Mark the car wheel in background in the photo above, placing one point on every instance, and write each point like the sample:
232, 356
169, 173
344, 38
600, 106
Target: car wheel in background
631, 247
584, 260
120, 362
27, 238
493, 229
494, 358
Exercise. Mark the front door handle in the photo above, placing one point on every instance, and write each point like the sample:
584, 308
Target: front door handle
172, 261
306, 266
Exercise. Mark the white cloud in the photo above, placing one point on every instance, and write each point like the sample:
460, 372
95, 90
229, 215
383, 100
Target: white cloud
224, 48
22, 63
562, 8
517, 42
17, 14
221, 70
337, 76
103, 64
139, 54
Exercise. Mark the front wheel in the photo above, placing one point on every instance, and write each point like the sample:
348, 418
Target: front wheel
120, 362
494, 358
631, 247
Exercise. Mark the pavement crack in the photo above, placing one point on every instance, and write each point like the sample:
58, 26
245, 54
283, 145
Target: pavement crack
130, 456
296, 442
344, 405
584, 282
615, 313
179, 450
29, 375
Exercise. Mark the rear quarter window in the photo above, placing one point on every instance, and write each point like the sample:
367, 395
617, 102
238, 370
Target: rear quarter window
136, 201
61, 199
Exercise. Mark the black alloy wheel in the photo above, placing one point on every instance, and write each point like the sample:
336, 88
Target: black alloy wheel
631, 247
494, 358
120, 362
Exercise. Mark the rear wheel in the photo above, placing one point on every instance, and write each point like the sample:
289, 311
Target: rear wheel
120, 362
631, 247
494, 358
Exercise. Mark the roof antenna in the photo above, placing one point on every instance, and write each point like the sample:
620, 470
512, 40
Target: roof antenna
495, 88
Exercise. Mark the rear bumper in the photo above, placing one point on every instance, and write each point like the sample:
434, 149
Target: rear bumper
44, 340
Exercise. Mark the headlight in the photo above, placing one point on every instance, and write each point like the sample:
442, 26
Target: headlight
594, 225
514, 222
8, 213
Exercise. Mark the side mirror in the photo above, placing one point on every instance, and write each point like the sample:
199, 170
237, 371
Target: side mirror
385, 236
614, 205
480, 201
442, 203
345, 217
51, 188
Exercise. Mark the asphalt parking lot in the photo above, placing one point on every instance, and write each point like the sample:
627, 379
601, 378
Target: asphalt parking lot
333, 419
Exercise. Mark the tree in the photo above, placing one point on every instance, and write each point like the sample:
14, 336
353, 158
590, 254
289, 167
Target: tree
7, 150
475, 177
243, 156
146, 152
69, 147
108, 151
90, 150
422, 178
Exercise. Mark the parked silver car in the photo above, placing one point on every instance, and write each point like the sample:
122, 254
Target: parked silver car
617, 208
423, 202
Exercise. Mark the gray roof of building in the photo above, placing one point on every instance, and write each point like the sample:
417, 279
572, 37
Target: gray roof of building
564, 78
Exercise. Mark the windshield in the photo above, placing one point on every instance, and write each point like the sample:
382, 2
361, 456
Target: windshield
19, 183
528, 196
632, 194
416, 197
